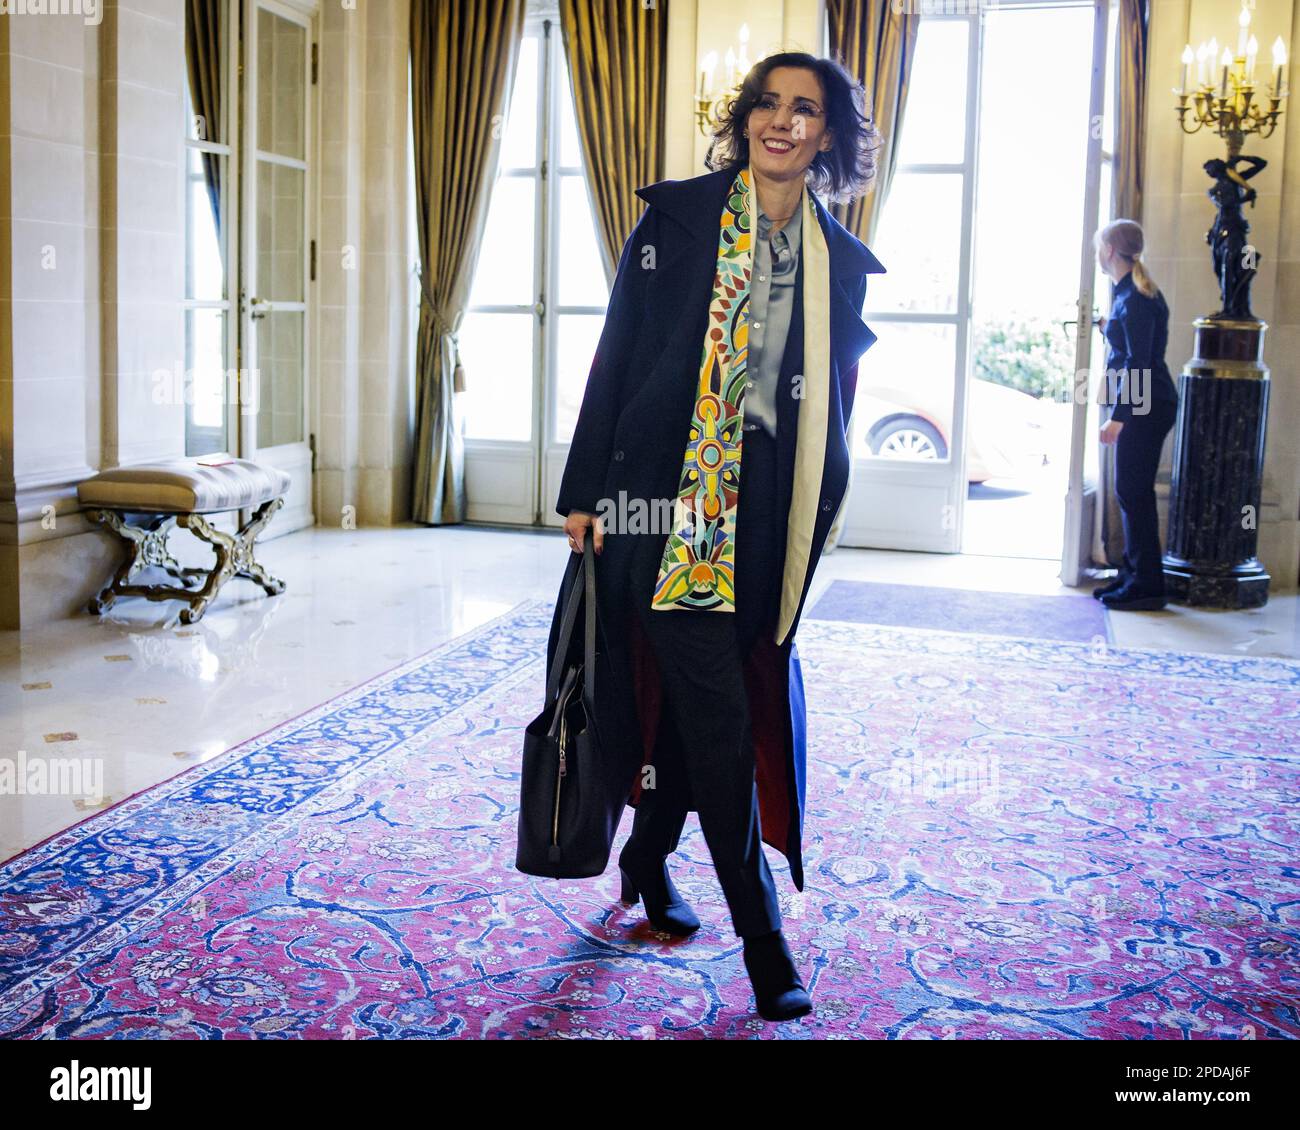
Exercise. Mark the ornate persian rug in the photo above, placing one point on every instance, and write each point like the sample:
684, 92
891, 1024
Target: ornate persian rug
1006, 840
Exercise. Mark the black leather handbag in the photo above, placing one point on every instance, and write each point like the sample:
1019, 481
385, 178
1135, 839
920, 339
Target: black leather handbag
569, 806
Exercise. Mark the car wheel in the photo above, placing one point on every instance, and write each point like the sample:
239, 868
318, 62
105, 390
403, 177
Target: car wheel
908, 437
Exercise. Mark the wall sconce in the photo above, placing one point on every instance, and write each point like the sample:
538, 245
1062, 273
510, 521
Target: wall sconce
711, 104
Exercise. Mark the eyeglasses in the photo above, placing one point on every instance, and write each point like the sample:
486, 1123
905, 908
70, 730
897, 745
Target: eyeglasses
767, 106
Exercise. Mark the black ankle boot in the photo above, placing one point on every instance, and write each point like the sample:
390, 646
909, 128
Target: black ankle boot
665, 909
1134, 598
1114, 586
778, 991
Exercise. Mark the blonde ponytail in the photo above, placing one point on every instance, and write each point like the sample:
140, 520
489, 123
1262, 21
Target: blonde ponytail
1142, 278
1125, 238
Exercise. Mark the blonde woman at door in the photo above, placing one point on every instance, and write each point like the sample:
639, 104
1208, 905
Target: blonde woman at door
1145, 407
719, 396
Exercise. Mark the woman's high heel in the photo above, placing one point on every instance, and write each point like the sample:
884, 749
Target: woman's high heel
668, 912
778, 991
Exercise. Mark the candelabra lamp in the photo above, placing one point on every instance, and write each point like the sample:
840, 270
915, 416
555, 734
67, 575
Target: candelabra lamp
712, 105
1218, 460
711, 109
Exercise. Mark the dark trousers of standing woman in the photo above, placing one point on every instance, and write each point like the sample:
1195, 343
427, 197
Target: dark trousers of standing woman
700, 658
1137, 456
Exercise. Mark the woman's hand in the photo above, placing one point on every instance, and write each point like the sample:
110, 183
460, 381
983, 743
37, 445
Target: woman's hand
575, 529
1110, 431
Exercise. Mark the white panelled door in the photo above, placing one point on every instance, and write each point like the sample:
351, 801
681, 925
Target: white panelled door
275, 263
1077, 544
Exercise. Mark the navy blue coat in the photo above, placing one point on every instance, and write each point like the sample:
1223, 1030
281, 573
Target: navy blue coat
630, 437
1137, 333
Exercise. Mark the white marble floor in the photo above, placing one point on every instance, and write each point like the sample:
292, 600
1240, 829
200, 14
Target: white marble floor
145, 697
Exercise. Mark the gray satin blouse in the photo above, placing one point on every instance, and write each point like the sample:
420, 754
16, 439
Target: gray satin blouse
771, 302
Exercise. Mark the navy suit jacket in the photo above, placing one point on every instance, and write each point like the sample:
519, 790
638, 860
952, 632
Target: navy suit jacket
1137, 332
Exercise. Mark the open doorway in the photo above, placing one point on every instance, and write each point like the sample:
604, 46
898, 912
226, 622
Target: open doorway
966, 436
1030, 195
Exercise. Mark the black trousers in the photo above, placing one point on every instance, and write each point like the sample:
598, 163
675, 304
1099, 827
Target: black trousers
705, 703
1137, 456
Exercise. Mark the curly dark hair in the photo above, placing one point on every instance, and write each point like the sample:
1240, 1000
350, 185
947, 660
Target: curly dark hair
841, 173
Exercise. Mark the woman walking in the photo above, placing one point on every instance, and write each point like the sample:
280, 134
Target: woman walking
710, 456
1145, 408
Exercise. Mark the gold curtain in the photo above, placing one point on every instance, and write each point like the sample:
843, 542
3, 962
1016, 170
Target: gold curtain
876, 43
463, 58
204, 46
1130, 120
616, 53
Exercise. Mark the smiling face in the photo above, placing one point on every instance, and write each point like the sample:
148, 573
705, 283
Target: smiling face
787, 126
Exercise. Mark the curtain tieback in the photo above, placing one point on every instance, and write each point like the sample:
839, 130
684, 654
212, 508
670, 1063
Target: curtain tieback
440, 327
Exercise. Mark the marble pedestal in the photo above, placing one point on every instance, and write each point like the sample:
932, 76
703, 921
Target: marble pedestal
1218, 467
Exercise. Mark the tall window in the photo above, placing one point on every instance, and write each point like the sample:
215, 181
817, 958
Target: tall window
207, 192
919, 307
537, 303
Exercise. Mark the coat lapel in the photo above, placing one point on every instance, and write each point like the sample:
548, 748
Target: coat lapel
681, 282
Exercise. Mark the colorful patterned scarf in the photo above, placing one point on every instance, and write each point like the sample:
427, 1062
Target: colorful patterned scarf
699, 560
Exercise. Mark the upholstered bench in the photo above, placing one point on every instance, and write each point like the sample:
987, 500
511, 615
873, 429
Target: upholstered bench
183, 491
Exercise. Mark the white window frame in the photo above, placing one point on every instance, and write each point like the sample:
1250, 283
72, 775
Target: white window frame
230, 226
515, 482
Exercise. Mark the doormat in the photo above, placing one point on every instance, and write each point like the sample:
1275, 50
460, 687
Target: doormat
1080, 619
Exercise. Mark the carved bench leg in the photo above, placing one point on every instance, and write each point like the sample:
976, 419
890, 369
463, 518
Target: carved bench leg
234, 557
246, 564
147, 545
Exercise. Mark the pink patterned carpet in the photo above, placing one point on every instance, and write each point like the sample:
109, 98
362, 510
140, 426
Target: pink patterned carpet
1007, 839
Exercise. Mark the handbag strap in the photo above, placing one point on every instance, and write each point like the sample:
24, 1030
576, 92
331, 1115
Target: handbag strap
570, 678
589, 636
586, 566
567, 621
